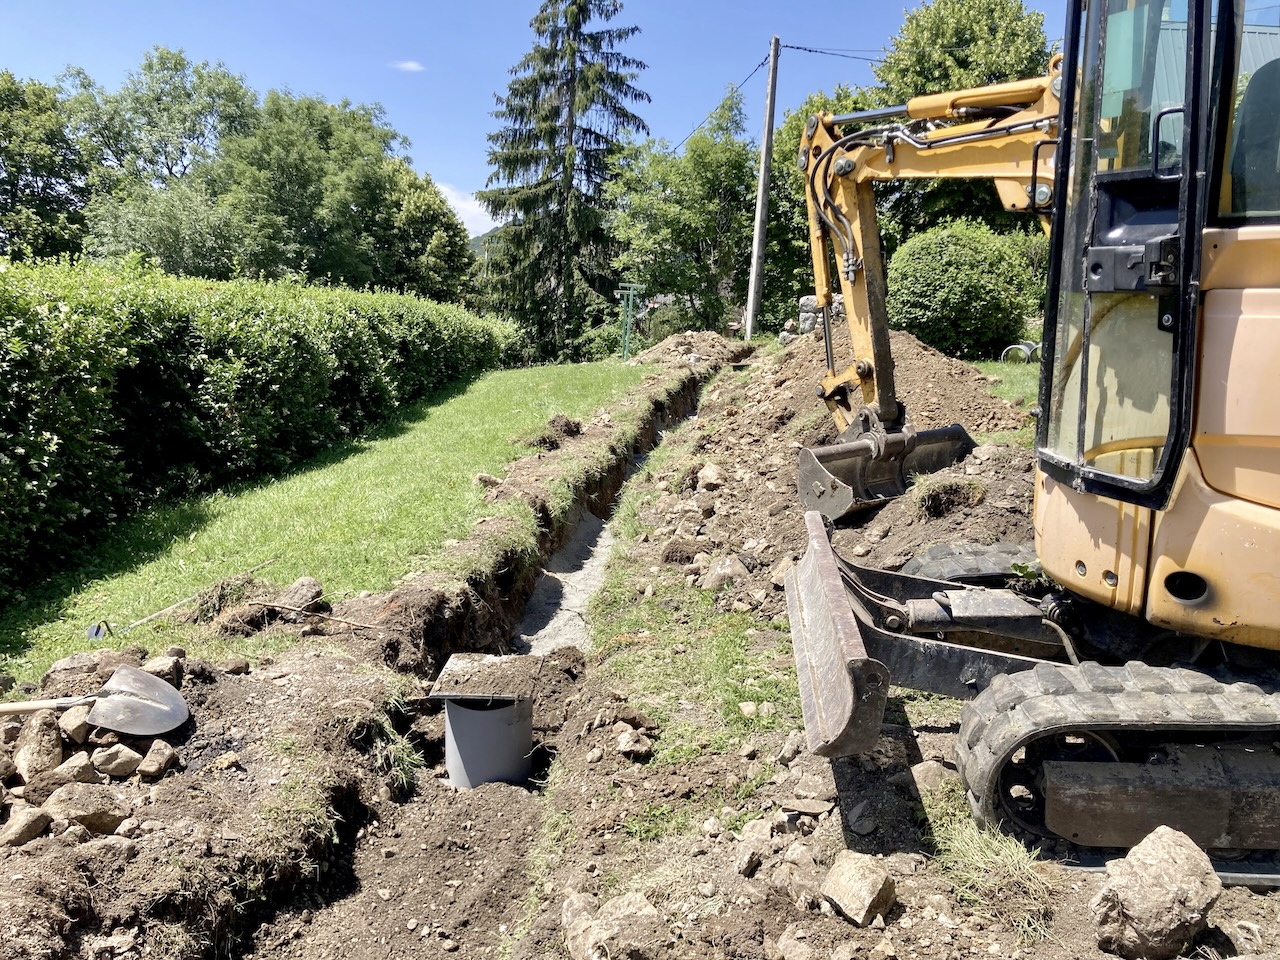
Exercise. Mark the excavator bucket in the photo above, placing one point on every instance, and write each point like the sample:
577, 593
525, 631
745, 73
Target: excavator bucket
845, 478
842, 689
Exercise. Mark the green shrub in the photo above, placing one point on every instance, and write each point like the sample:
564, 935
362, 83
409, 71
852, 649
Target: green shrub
960, 288
604, 341
121, 385
1033, 247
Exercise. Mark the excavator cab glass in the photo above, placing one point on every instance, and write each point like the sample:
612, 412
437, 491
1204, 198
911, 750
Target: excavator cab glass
1119, 329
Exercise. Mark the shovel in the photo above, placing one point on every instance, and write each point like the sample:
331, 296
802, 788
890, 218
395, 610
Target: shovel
132, 702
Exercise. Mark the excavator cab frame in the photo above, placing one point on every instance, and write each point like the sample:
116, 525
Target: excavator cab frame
1120, 329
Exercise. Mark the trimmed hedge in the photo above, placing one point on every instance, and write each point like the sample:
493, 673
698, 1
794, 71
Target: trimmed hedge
962, 289
121, 385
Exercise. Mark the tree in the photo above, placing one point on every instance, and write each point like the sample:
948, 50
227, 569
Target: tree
428, 243
683, 221
41, 172
951, 45
167, 117
182, 228
564, 114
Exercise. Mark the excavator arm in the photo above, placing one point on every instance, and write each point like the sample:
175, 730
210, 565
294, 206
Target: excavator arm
1003, 133
846, 637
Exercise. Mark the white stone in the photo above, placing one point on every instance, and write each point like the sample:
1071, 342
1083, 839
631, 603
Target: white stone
859, 886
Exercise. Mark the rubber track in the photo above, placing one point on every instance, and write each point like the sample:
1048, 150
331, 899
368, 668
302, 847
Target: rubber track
1049, 699
970, 561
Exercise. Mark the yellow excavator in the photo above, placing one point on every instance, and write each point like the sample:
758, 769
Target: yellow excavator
1137, 683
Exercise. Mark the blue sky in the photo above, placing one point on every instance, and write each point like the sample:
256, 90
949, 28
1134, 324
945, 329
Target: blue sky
435, 66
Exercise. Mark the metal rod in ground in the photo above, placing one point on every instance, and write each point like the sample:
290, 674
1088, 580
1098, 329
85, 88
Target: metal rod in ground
755, 290
627, 294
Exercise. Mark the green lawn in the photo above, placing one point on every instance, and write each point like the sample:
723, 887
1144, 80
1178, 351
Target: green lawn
1019, 384
356, 519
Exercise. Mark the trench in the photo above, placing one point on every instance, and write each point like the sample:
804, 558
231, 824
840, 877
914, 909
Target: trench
480, 839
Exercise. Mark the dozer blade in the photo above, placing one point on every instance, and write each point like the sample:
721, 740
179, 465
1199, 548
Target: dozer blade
844, 478
842, 690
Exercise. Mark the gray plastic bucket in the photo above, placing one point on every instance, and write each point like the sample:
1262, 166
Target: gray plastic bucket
487, 741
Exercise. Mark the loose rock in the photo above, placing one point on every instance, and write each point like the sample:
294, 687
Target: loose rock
39, 746
1156, 899
859, 886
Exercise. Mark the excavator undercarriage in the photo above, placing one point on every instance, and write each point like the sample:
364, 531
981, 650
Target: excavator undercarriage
1050, 736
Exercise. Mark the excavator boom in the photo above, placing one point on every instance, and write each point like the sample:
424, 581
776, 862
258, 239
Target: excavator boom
1003, 133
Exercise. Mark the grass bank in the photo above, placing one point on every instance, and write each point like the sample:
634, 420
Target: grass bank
358, 518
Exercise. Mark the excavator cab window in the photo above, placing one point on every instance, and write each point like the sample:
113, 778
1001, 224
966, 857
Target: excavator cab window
1115, 330
1250, 180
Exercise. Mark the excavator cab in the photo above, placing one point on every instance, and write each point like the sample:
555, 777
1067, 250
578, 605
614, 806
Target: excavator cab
1150, 668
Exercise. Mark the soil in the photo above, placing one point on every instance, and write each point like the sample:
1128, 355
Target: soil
289, 829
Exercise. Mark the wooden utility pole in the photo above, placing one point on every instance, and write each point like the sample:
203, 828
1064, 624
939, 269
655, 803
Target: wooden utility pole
755, 288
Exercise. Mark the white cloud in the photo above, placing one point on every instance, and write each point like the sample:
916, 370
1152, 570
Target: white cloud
468, 208
408, 66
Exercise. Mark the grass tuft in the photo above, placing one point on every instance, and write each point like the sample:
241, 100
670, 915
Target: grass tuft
990, 871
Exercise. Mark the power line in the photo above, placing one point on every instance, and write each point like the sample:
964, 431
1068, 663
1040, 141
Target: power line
713, 112
833, 53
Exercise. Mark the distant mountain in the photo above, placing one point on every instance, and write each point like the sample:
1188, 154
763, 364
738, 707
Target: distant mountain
476, 245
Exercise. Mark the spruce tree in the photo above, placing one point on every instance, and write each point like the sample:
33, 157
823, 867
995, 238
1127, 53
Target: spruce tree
565, 112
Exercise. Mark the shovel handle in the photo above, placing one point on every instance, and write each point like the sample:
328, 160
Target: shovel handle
31, 706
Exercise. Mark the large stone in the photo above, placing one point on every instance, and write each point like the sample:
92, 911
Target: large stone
924, 776
77, 768
859, 886
302, 595
24, 825
74, 723
794, 944
94, 806
634, 745
166, 668
39, 746
624, 928
160, 757
1156, 899
712, 477
116, 760
723, 570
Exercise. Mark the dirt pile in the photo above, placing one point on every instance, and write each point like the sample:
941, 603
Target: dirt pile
731, 503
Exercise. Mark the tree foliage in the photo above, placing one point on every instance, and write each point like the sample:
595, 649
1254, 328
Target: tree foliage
41, 172
683, 221
167, 117
191, 171
953, 45
564, 113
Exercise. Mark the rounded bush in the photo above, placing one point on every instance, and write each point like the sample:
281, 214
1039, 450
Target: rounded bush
960, 288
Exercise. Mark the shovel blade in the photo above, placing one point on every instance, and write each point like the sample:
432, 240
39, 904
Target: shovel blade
844, 479
842, 689
137, 703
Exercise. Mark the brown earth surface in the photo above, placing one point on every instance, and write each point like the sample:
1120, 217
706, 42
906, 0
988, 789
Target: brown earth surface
286, 832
